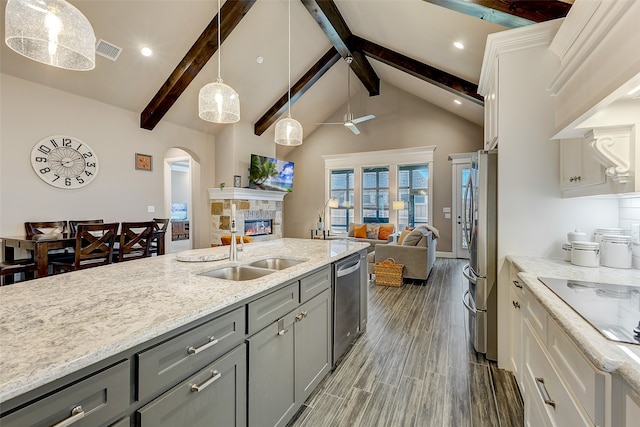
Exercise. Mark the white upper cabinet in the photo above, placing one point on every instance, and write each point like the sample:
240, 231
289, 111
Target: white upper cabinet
597, 112
491, 110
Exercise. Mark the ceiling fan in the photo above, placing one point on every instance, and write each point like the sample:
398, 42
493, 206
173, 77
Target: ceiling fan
349, 121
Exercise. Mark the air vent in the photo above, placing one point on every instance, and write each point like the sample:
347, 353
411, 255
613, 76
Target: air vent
108, 50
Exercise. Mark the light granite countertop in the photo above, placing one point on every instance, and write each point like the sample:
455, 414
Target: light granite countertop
606, 355
56, 325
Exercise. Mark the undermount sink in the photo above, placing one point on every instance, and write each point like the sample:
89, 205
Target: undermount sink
238, 273
276, 263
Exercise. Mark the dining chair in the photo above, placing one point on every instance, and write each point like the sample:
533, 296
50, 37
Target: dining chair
94, 247
135, 239
73, 223
8, 270
44, 227
160, 228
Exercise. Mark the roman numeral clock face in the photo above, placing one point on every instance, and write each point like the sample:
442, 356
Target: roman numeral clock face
64, 162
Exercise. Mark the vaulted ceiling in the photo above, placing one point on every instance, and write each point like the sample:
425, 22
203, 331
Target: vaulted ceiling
406, 43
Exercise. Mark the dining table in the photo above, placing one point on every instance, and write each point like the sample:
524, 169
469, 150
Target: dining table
41, 244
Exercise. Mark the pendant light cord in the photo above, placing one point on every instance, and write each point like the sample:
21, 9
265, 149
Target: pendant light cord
219, 47
289, 89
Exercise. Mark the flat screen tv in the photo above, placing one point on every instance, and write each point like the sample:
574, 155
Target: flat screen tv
178, 211
267, 173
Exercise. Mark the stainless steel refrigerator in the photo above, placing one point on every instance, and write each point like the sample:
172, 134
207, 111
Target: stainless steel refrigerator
480, 229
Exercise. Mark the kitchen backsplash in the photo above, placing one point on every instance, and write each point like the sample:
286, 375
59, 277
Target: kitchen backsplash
630, 214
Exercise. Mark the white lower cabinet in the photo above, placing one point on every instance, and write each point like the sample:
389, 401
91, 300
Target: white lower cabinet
516, 293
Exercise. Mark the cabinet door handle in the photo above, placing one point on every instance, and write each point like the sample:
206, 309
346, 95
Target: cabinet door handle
299, 317
281, 329
77, 414
544, 393
517, 283
215, 375
516, 304
193, 350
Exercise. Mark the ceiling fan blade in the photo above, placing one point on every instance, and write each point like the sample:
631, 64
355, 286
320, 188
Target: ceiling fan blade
352, 127
336, 123
363, 119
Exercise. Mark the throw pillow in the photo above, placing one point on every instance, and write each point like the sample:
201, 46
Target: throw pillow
360, 232
403, 234
412, 238
352, 226
372, 231
385, 231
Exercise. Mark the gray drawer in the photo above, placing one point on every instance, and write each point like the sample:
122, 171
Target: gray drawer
312, 285
97, 398
271, 307
164, 365
125, 422
219, 399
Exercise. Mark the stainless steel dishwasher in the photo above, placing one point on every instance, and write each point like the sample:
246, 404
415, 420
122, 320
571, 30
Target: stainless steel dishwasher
346, 304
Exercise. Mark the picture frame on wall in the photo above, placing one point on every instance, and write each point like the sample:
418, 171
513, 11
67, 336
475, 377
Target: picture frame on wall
237, 181
144, 162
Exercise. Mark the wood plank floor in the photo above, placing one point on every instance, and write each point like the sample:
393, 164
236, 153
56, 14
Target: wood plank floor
415, 366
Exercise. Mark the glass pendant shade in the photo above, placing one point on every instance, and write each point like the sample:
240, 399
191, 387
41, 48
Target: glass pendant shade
218, 103
52, 32
288, 132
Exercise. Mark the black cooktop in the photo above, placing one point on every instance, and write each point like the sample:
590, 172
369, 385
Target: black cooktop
614, 310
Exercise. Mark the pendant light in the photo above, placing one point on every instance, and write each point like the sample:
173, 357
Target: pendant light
52, 32
288, 130
218, 102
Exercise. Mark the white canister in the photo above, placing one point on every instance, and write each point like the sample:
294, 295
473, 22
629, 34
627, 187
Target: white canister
566, 250
616, 251
585, 254
599, 232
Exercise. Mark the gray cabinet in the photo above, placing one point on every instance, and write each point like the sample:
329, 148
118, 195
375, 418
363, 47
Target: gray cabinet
162, 366
215, 396
287, 360
273, 306
88, 403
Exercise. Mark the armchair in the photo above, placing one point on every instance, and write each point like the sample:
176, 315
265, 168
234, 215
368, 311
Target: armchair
418, 258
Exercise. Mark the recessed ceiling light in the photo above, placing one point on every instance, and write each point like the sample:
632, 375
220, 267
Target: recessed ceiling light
457, 101
459, 45
146, 51
259, 59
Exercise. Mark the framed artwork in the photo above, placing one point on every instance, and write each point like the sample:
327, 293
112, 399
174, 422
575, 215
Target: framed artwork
237, 181
144, 162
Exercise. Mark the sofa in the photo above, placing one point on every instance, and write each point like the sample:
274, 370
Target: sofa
376, 234
416, 250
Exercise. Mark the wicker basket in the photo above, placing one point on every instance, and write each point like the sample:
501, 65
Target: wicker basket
388, 273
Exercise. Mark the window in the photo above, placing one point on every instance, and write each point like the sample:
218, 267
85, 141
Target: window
413, 190
342, 189
375, 195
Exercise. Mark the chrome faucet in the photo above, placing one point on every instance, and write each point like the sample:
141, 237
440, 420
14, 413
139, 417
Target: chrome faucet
233, 248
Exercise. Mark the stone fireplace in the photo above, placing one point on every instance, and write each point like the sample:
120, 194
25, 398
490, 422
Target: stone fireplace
258, 211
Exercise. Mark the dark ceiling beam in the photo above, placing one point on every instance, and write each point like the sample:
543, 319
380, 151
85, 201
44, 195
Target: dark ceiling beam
196, 58
418, 69
327, 15
297, 90
508, 13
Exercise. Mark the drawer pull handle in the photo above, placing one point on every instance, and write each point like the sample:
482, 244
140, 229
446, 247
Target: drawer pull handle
215, 375
516, 304
193, 350
544, 393
281, 329
77, 414
517, 283
301, 316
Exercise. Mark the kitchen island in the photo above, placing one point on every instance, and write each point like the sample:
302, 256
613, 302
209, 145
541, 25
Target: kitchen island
602, 375
55, 327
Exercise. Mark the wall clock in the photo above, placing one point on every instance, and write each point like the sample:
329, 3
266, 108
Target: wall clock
64, 162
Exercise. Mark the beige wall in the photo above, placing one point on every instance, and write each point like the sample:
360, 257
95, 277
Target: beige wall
402, 121
30, 112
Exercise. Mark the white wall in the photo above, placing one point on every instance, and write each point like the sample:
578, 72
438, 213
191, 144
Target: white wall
630, 214
30, 112
180, 187
402, 121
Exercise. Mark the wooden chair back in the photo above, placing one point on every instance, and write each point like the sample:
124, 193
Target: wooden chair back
160, 229
73, 223
94, 244
135, 239
32, 228
161, 224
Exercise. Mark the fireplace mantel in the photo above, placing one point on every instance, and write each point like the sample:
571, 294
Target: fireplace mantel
234, 193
